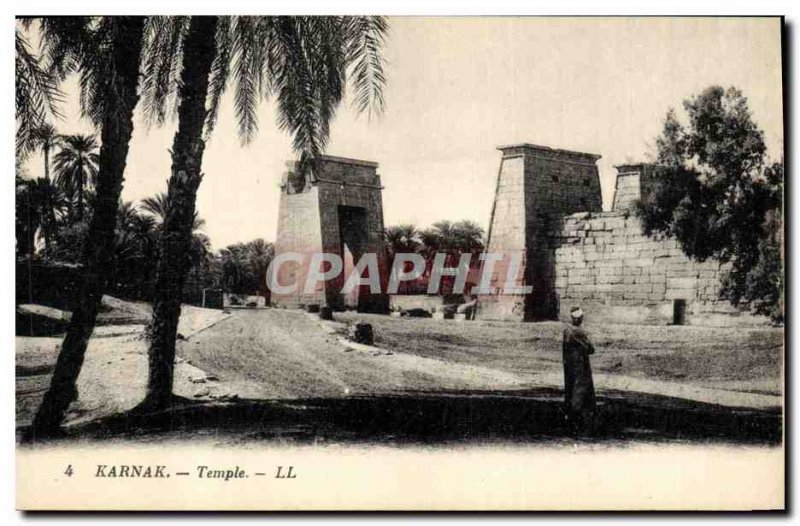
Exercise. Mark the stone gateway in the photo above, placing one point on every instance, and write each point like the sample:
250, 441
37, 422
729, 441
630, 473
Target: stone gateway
335, 208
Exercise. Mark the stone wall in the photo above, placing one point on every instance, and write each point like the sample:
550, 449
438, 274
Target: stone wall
605, 260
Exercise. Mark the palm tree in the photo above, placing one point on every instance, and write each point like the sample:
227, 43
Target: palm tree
127, 215
453, 239
244, 266
402, 239
157, 207
468, 236
199, 247
302, 61
259, 256
28, 215
44, 138
76, 167
106, 55
461, 236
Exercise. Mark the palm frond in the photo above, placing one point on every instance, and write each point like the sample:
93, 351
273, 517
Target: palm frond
298, 110
220, 70
246, 71
37, 96
365, 38
157, 206
162, 65
66, 42
100, 88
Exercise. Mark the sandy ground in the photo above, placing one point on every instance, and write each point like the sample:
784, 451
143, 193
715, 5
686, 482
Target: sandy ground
425, 377
114, 371
746, 359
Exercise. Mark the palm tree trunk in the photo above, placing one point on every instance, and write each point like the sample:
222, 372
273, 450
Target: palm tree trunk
187, 156
80, 189
117, 127
48, 214
70, 205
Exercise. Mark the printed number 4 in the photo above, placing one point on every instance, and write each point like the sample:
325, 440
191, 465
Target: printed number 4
68, 471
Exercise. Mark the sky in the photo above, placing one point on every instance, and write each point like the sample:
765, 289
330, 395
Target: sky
458, 88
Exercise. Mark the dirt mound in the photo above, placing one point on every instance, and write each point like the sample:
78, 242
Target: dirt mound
38, 320
114, 311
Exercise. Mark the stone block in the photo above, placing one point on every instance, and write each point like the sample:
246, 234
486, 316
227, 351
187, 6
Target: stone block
603, 287
682, 283
613, 223
637, 296
609, 279
577, 281
676, 294
639, 262
658, 279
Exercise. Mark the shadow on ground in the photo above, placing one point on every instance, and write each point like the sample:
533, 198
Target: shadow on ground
440, 418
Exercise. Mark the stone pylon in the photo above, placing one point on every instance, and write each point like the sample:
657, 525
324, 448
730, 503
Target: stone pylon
536, 187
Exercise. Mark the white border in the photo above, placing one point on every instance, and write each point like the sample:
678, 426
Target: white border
407, 7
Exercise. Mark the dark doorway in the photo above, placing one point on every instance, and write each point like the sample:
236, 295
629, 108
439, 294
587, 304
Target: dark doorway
353, 238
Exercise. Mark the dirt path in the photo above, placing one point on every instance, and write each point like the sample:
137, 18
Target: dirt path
267, 354
285, 354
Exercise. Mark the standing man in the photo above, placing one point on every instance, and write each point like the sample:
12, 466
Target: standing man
579, 399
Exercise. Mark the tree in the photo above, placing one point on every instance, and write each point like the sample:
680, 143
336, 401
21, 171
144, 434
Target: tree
134, 254
106, 54
259, 256
44, 138
76, 166
36, 201
452, 238
157, 207
302, 61
468, 236
244, 266
720, 198
28, 216
199, 253
402, 239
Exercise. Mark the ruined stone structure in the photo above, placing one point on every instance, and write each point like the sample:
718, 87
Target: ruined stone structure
633, 183
605, 264
547, 205
334, 207
536, 187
